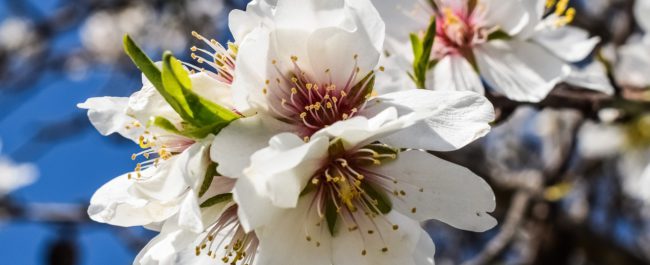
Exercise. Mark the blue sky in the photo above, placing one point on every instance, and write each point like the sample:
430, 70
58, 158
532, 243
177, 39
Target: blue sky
71, 169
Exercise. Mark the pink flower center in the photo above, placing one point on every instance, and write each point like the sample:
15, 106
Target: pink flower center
297, 98
458, 30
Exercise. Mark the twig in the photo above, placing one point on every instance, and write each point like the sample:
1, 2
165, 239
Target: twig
508, 229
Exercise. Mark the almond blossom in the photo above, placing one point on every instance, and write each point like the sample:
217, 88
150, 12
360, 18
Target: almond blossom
520, 48
345, 197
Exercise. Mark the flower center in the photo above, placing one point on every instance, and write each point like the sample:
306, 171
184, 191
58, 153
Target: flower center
157, 148
457, 31
228, 241
221, 59
347, 190
296, 97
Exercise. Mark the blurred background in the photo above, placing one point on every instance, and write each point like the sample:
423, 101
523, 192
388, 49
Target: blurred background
571, 173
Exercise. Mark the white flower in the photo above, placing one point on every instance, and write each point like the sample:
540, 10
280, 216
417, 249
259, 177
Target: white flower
14, 176
309, 65
521, 50
157, 188
329, 201
221, 241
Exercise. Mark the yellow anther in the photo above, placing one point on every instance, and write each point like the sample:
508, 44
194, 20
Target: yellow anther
193, 48
294, 58
294, 90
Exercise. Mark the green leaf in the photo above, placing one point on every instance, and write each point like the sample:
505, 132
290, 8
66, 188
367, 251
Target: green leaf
216, 200
207, 180
142, 61
331, 216
383, 204
422, 53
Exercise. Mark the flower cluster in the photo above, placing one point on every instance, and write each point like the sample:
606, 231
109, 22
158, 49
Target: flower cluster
306, 139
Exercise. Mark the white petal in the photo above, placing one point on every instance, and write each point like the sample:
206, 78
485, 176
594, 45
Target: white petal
284, 240
335, 50
212, 89
535, 10
453, 72
569, 43
14, 176
189, 215
277, 175
165, 182
250, 74
114, 204
402, 244
424, 250
406, 16
641, 11
109, 115
592, 76
453, 118
312, 14
360, 130
440, 190
194, 162
234, 145
368, 21
519, 70
512, 17
243, 22
395, 75
164, 248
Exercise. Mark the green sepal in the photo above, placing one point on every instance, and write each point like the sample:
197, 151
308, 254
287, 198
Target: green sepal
207, 180
364, 87
187, 130
167, 125
336, 148
422, 53
383, 204
195, 109
499, 35
216, 200
175, 85
142, 61
331, 216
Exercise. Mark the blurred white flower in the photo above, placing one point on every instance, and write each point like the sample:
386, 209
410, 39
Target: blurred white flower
102, 31
633, 65
17, 36
520, 48
14, 176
